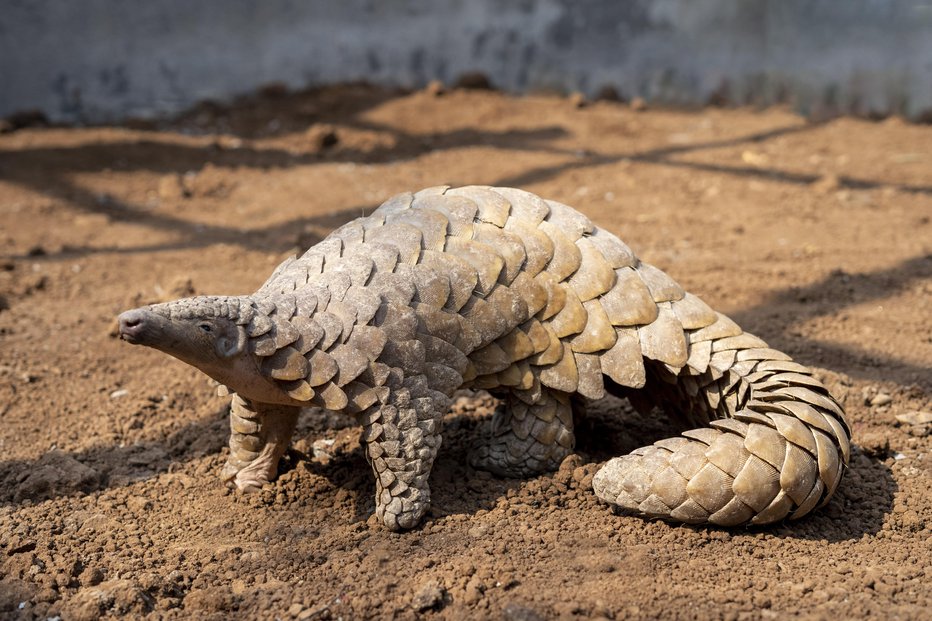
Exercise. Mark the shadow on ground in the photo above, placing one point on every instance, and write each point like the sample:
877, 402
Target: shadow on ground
858, 508
865, 497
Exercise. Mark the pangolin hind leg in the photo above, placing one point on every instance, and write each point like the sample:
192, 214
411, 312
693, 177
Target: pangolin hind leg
775, 449
259, 436
527, 439
402, 439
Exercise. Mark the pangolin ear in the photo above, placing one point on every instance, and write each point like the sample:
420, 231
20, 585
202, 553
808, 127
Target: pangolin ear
232, 343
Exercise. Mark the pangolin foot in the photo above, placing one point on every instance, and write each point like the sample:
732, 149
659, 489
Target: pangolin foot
404, 510
251, 476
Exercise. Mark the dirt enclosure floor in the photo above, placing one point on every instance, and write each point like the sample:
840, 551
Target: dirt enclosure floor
817, 237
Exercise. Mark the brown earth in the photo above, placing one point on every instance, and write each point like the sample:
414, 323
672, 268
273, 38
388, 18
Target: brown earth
817, 237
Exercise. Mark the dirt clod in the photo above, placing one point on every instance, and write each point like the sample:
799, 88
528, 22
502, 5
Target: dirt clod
430, 597
323, 136
54, 474
516, 612
638, 104
91, 576
435, 88
473, 80
118, 596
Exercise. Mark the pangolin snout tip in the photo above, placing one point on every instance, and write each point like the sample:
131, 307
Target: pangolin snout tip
132, 323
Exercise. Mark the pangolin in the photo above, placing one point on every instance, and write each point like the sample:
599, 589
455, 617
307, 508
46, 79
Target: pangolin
498, 289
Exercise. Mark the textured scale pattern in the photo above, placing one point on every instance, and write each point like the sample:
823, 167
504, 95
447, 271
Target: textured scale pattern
498, 289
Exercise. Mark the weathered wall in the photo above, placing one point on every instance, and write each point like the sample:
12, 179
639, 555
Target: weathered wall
97, 60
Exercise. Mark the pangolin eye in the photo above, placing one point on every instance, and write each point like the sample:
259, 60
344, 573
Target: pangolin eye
206, 327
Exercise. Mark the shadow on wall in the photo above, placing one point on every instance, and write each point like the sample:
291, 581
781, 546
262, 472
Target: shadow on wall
862, 56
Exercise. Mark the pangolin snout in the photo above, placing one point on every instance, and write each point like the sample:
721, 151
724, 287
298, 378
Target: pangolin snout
132, 324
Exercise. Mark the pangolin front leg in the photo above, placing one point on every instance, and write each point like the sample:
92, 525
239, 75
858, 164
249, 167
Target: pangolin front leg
402, 439
527, 439
259, 436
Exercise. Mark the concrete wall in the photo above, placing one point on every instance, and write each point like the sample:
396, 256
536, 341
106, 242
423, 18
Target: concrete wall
99, 60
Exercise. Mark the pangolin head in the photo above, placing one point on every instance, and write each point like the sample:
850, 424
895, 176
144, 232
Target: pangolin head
197, 330
207, 332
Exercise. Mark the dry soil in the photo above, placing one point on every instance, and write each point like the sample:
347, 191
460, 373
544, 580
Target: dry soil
817, 237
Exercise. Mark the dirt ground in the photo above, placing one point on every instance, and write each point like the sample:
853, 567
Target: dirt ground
817, 237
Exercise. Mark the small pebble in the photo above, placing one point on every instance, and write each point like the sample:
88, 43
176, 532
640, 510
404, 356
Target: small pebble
435, 88
323, 449
915, 417
577, 100
322, 136
516, 612
431, 596
91, 576
827, 184
608, 93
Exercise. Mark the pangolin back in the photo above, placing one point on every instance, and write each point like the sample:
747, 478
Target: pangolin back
496, 288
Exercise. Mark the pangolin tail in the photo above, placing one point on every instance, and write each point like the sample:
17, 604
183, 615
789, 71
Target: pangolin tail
775, 445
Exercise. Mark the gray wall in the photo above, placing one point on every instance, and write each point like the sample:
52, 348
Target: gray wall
99, 60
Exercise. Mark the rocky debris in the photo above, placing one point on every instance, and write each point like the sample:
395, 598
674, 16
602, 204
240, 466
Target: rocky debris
577, 100
827, 183
874, 443
431, 596
474, 80
172, 188
91, 576
302, 613
917, 422
323, 450
322, 136
116, 596
31, 284
13, 593
608, 93
274, 90
638, 104
208, 182
875, 397
212, 599
24, 119
755, 158
435, 88
516, 612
